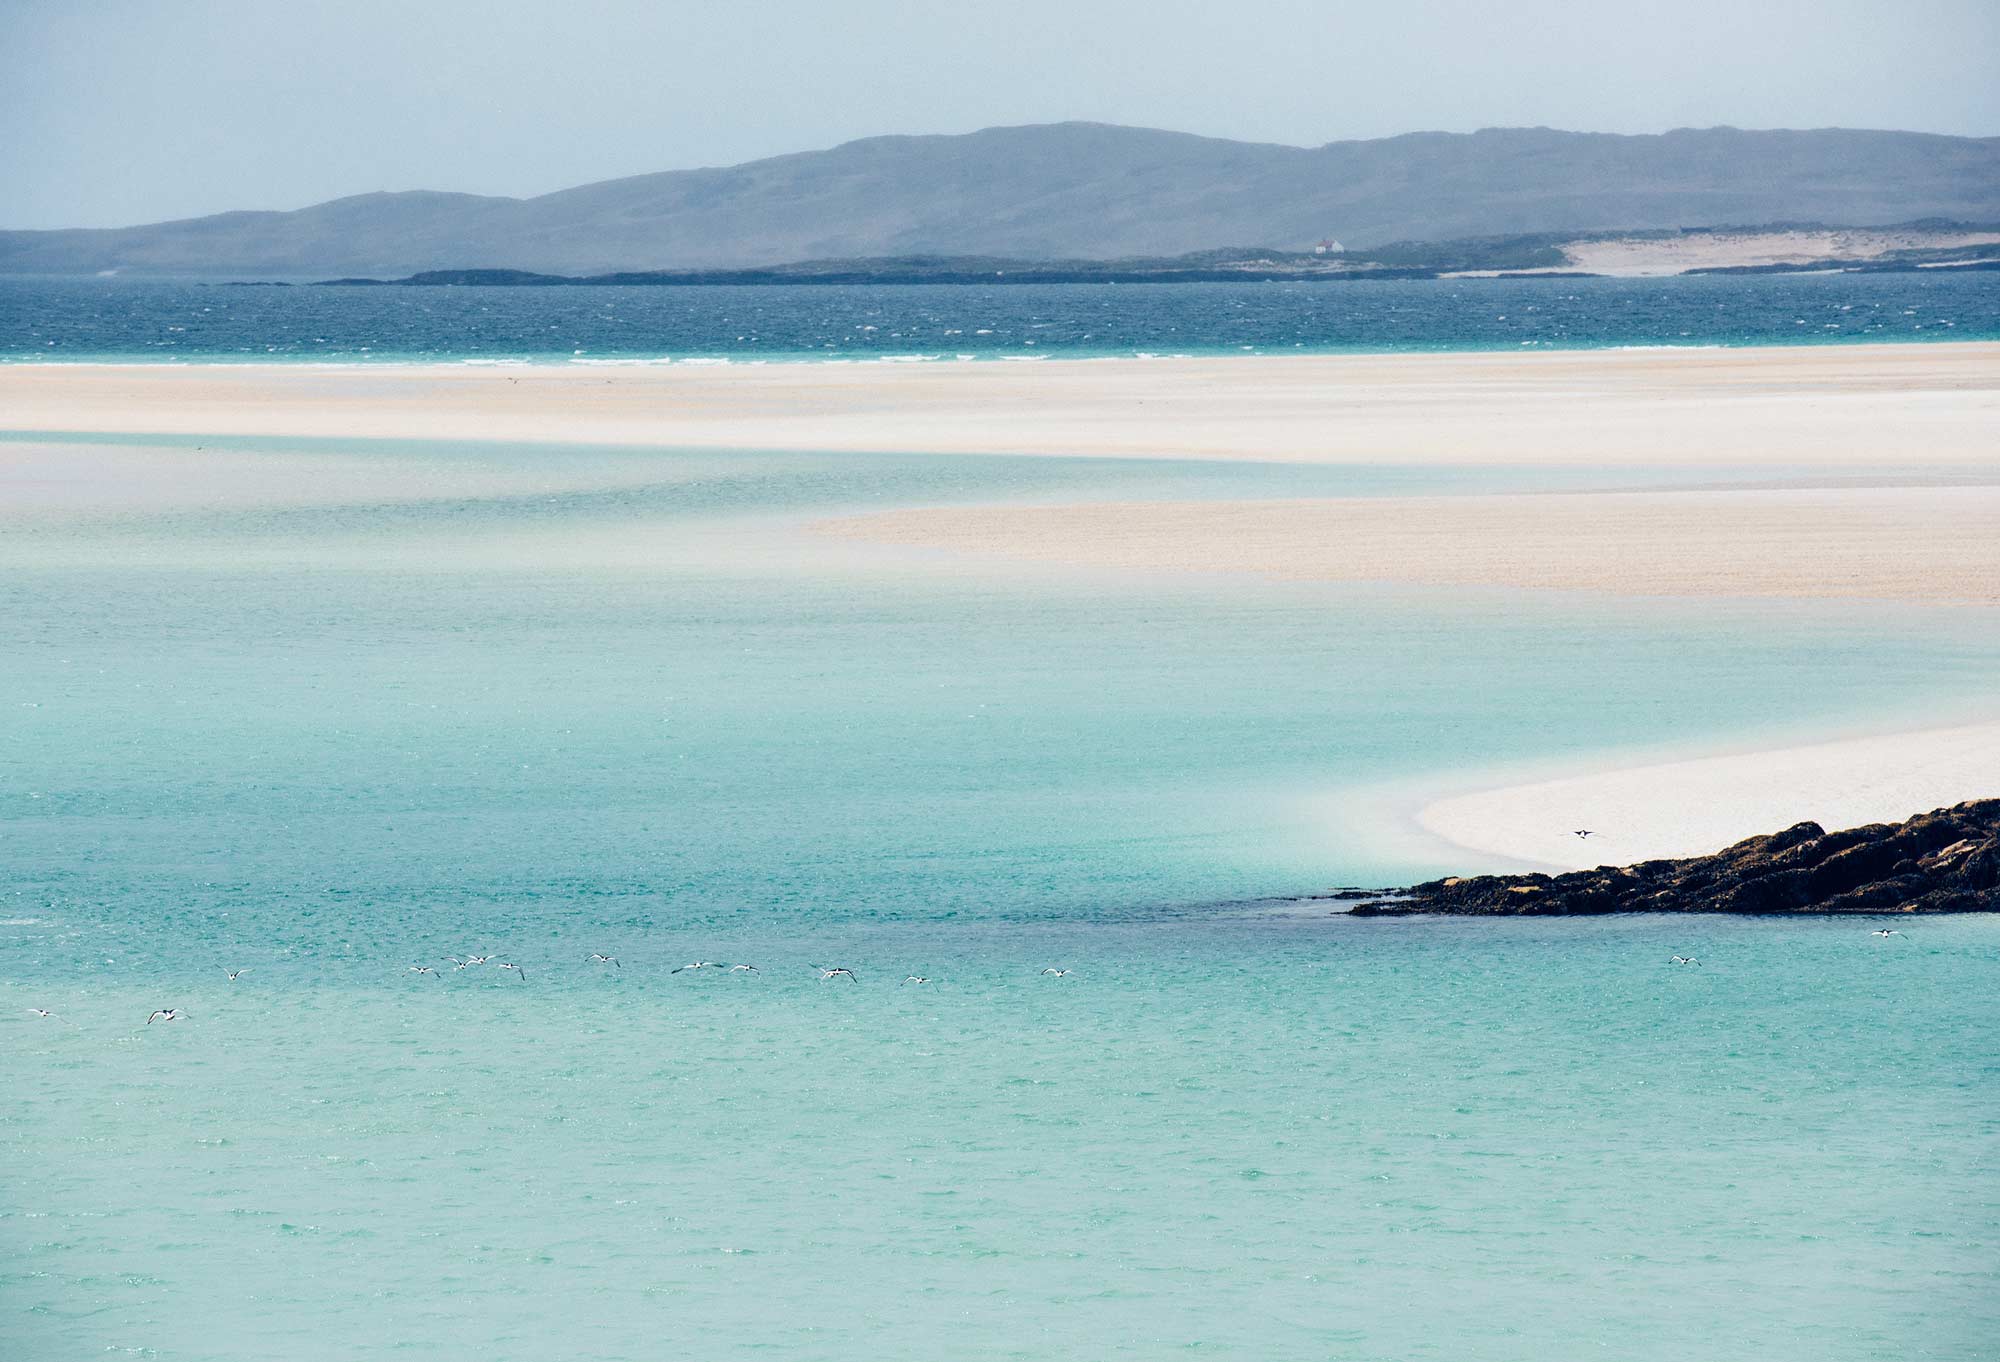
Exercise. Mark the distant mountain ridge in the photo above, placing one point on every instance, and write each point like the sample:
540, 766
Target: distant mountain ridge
1078, 191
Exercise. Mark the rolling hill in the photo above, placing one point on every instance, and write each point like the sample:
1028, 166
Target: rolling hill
1078, 190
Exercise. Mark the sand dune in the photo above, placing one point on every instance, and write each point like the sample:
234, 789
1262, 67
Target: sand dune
1637, 256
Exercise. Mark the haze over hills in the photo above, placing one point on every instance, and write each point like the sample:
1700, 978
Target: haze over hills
1078, 191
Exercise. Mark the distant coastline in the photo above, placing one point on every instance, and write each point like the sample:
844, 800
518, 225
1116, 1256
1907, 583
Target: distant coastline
1772, 249
1052, 194
862, 273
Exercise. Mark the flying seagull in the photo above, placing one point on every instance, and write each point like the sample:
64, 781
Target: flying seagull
516, 968
41, 1012
423, 969
610, 960
234, 974
1059, 973
826, 973
1582, 833
752, 968
164, 1014
916, 979
698, 964
1686, 960
1885, 931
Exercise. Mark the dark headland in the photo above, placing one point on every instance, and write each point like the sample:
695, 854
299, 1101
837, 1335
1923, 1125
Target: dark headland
1945, 861
1918, 246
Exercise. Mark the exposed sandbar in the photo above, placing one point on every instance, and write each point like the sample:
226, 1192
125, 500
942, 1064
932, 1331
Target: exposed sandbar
1925, 544
1834, 406
1690, 808
1905, 419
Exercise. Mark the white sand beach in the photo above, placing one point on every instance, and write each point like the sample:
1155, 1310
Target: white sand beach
1690, 808
1878, 479
1928, 544
1833, 408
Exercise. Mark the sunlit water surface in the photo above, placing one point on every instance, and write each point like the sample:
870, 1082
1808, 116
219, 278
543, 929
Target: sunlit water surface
206, 320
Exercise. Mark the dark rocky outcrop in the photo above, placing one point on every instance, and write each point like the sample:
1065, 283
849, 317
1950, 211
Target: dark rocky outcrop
1946, 861
1202, 267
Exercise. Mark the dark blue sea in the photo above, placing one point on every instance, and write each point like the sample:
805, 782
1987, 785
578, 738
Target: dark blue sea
43, 319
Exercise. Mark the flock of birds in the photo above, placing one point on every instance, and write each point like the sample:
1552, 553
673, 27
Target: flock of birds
464, 962
1690, 960
597, 957
826, 972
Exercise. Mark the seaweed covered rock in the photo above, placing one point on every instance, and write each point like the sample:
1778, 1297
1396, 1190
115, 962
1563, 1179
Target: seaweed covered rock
1945, 861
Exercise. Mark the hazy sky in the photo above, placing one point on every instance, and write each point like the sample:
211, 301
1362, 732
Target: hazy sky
123, 111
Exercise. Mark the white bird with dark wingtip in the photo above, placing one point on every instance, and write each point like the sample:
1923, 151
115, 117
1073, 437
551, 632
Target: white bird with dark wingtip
235, 974
834, 973
916, 979
697, 964
516, 968
1059, 973
423, 969
738, 969
42, 1012
164, 1014
1582, 833
1885, 931
1686, 960
610, 960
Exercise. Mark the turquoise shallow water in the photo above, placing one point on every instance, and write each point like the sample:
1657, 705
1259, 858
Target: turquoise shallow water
1252, 1140
571, 701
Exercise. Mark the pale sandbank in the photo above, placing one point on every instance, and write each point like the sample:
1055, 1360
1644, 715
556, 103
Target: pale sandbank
1829, 407
1905, 419
1924, 544
1693, 807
